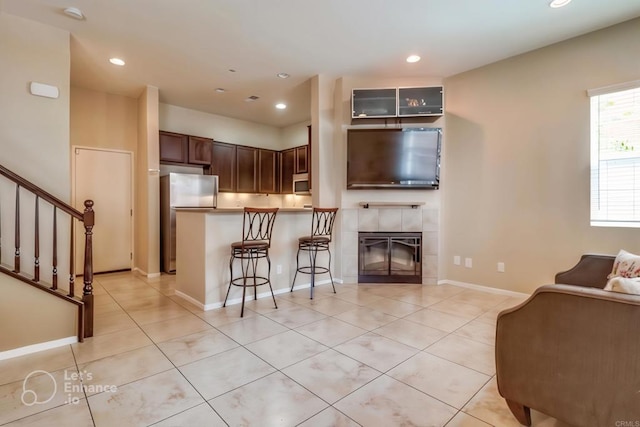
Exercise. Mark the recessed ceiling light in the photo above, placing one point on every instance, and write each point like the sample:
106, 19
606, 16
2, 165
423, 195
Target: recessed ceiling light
117, 61
559, 3
74, 12
231, 70
283, 75
281, 106
220, 90
413, 58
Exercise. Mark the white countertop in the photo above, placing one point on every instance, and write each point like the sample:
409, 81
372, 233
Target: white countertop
238, 209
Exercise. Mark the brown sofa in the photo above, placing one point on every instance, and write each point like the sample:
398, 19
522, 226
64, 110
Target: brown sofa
572, 350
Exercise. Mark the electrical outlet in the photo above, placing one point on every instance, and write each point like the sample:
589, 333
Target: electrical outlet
468, 262
456, 260
278, 269
501, 267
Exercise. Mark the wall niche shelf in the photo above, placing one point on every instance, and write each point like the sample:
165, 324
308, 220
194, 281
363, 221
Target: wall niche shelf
412, 205
397, 102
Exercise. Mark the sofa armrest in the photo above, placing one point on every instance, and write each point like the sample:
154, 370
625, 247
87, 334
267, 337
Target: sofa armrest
591, 271
572, 353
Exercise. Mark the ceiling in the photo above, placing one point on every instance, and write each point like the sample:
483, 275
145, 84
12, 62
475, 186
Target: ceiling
187, 48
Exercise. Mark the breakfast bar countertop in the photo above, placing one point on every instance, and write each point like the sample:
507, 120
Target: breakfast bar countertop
236, 209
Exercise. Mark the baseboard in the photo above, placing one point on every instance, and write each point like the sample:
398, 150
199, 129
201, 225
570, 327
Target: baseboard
234, 301
144, 273
483, 288
34, 348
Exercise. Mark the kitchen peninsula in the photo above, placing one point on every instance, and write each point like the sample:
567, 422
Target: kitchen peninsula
203, 239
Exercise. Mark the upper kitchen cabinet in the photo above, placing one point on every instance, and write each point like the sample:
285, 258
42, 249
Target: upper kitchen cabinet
173, 147
200, 150
287, 169
267, 171
246, 169
420, 101
302, 159
223, 164
374, 103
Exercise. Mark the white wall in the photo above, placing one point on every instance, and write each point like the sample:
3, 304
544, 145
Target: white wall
516, 164
223, 129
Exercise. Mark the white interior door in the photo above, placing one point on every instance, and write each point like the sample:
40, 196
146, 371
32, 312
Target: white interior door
106, 178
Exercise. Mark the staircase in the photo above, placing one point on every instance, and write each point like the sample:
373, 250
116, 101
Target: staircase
30, 221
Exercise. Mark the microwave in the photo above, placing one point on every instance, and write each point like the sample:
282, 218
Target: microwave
301, 183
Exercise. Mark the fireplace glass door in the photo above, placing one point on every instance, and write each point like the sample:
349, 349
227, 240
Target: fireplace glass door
390, 257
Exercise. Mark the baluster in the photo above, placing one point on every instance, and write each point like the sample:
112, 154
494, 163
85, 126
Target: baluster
36, 247
87, 291
54, 271
72, 271
16, 258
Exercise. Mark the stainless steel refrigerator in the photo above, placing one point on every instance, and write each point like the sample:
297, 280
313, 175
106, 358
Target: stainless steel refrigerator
180, 190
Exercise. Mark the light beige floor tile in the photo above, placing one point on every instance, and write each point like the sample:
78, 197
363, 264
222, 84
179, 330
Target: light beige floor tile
421, 299
376, 351
226, 371
124, 368
394, 307
330, 417
145, 401
144, 301
490, 407
478, 330
74, 414
196, 346
184, 303
457, 308
107, 306
157, 314
489, 318
294, 317
437, 319
303, 295
173, 328
446, 381
391, 291
274, 400
285, 349
200, 416
465, 352
129, 297
463, 420
114, 321
331, 375
442, 291
109, 344
251, 329
261, 306
484, 300
539, 419
359, 297
410, 333
47, 388
388, 402
16, 369
330, 331
222, 316
329, 306
366, 318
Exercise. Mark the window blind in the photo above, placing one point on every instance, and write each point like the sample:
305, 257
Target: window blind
615, 156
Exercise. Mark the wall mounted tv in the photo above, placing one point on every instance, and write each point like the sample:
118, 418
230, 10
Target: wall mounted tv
393, 158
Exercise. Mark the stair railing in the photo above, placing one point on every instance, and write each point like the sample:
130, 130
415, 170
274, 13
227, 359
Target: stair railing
84, 303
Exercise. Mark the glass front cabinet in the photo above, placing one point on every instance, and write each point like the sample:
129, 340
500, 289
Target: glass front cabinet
397, 102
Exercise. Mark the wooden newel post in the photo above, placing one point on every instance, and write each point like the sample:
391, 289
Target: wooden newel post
87, 290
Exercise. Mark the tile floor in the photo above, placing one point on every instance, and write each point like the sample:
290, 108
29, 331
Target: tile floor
370, 355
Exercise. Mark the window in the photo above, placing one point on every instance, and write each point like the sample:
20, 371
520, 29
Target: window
615, 156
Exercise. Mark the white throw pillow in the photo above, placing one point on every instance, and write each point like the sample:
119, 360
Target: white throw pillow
626, 264
623, 284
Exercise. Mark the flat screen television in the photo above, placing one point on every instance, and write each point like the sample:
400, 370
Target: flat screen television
393, 158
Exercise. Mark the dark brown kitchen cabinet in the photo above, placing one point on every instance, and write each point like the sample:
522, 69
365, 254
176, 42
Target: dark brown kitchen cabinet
173, 147
200, 150
287, 169
223, 164
267, 171
302, 157
246, 169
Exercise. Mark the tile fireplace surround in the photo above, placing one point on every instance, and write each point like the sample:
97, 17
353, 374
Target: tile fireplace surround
425, 219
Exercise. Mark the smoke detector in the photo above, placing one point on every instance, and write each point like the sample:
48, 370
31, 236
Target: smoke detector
74, 13
251, 98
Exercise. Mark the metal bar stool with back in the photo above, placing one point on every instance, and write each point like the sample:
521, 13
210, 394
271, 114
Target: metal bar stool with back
318, 241
257, 225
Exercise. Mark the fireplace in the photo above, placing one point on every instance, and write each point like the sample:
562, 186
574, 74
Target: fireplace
389, 257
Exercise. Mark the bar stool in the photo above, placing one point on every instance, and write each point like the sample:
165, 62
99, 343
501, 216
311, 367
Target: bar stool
257, 225
321, 231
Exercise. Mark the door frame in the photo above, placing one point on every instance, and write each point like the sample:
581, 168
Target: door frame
133, 186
